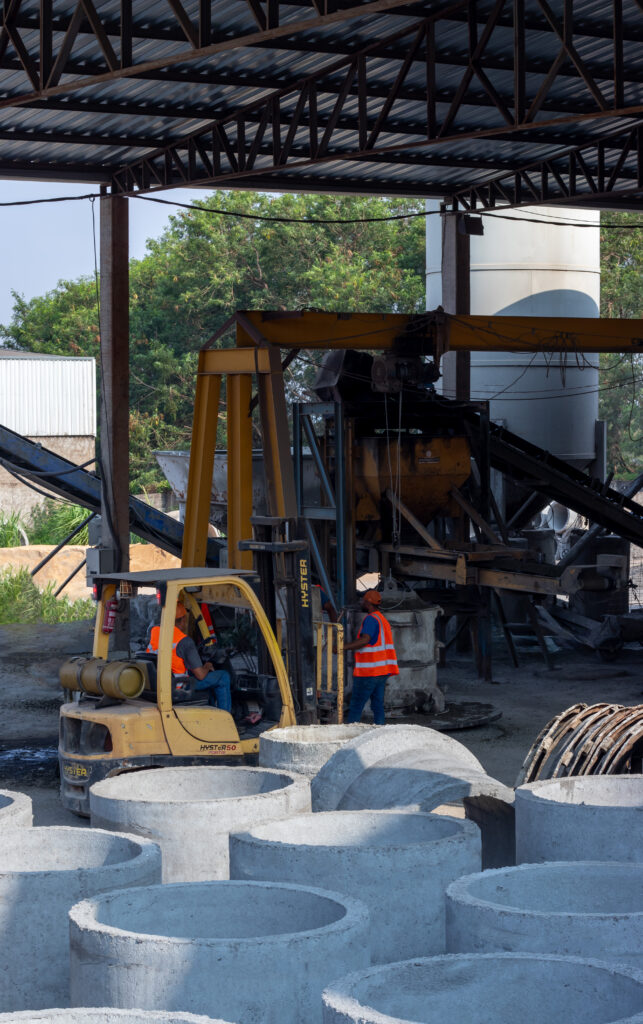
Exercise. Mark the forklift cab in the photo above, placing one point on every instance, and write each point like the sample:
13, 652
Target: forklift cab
134, 713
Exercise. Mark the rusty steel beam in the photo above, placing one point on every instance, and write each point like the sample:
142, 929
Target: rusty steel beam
611, 167
114, 366
619, 74
229, 147
265, 27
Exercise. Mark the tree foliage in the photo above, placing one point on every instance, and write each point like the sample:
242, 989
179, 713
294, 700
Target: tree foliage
204, 267
622, 376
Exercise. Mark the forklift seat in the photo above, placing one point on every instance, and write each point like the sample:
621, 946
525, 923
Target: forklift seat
183, 687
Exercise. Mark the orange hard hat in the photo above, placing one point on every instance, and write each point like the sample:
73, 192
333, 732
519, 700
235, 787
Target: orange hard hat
373, 596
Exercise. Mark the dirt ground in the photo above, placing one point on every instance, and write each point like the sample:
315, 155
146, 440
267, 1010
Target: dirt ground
142, 556
528, 697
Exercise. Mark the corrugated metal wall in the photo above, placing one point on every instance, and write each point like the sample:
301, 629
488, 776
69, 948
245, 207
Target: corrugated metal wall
48, 397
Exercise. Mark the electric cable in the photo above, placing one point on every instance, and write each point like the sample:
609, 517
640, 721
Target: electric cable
15, 472
49, 474
535, 395
322, 220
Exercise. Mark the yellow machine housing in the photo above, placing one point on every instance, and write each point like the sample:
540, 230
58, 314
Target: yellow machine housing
428, 470
107, 732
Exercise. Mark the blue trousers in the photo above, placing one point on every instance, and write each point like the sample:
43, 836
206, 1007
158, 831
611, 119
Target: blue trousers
367, 688
218, 683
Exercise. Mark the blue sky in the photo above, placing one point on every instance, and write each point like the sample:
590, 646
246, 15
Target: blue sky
41, 245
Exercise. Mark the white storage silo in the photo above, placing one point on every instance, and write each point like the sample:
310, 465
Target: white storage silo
522, 268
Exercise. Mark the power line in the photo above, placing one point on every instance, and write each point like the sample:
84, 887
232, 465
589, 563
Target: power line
378, 220
494, 214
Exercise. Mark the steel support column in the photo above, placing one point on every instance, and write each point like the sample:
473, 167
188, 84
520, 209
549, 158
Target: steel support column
114, 365
456, 298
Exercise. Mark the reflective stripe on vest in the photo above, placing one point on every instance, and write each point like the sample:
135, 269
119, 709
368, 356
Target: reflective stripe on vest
178, 665
377, 659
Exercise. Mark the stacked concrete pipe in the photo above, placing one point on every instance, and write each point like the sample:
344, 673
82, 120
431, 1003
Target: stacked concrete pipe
190, 812
500, 988
574, 909
15, 810
103, 1015
588, 817
398, 863
254, 952
305, 748
43, 872
419, 768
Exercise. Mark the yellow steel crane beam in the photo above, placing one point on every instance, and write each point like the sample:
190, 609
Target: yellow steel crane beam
441, 331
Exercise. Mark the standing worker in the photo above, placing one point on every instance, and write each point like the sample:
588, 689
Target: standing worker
186, 660
375, 660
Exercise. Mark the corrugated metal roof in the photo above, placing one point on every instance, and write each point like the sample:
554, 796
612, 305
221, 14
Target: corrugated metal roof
14, 353
48, 396
91, 131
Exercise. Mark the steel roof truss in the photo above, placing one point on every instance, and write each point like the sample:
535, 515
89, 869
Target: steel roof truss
351, 77
610, 167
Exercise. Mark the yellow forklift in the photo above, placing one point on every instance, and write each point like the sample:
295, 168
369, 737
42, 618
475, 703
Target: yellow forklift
134, 713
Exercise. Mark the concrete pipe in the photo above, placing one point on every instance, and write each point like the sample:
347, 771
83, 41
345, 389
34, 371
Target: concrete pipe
574, 909
332, 783
92, 1015
418, 768
15, 810
588, 817
305, 748
398, 863
500, 988
43, 872
253, 952
190, 812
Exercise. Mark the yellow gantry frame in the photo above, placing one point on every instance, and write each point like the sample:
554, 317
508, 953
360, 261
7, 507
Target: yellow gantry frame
238, 365
260, 336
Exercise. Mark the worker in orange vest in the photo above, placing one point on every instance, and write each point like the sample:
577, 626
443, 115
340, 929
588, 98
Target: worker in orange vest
375, 660
186, 661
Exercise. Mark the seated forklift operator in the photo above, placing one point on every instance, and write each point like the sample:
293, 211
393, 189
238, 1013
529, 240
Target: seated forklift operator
186, 660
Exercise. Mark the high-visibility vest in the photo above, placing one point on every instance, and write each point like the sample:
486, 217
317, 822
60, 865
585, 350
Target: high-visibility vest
378, 659
178, 665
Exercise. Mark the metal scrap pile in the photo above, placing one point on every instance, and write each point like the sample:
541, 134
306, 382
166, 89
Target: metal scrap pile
587, 739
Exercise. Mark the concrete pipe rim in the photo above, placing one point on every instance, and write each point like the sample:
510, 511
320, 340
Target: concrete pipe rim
104, 790
546, 791
83, 915
339, 994
102, 1014
144, 853
455, 830
462, 892
304, 734
13, 799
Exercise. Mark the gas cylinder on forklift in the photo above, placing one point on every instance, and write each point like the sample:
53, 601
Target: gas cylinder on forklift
135, 712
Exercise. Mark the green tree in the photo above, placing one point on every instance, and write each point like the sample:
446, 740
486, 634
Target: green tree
622, 376
204, 267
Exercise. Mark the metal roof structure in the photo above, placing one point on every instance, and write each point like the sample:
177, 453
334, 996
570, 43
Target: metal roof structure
488, 102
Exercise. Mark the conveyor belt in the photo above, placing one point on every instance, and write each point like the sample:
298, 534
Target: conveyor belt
54, 473
540, 471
